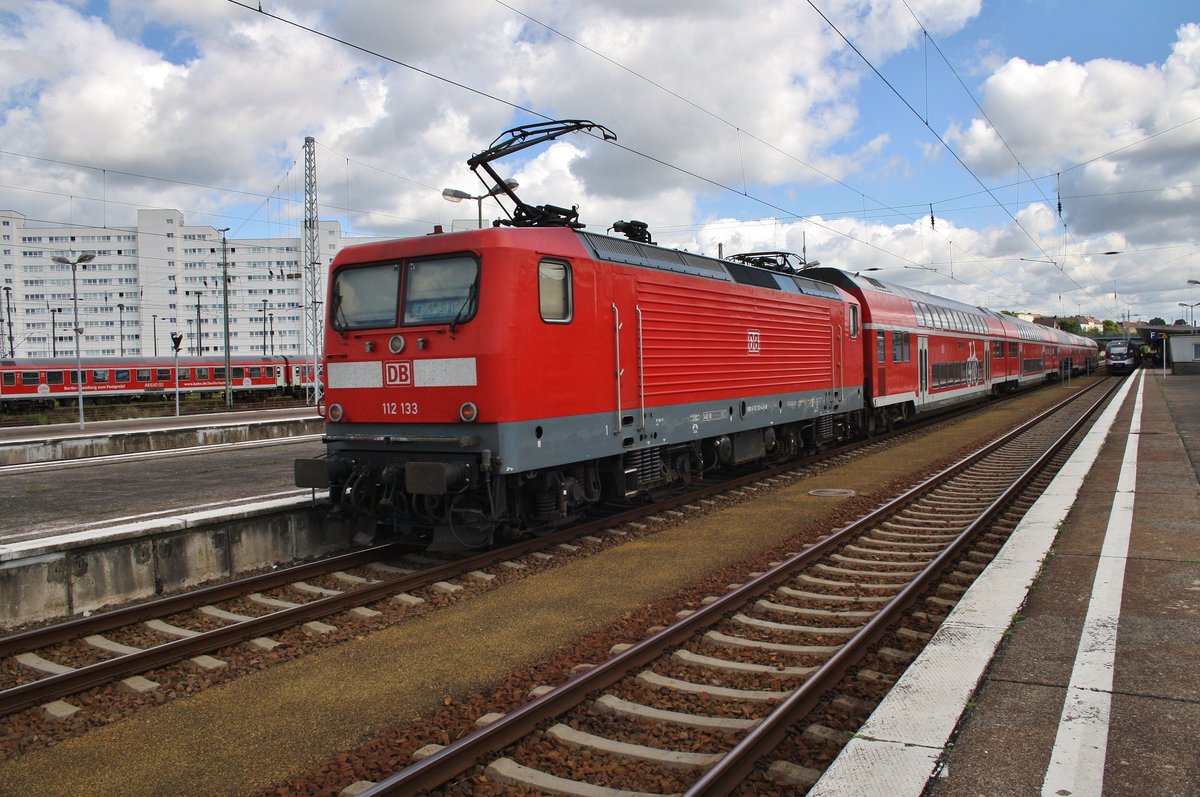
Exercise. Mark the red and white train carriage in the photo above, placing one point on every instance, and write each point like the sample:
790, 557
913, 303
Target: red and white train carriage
27, 382
925, 352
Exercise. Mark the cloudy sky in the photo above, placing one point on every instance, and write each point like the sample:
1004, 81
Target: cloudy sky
932, 140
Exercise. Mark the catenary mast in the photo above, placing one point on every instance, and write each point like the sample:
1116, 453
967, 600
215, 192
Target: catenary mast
312, 263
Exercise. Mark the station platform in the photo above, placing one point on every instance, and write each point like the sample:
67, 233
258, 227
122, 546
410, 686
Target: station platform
65, 441
1069, 669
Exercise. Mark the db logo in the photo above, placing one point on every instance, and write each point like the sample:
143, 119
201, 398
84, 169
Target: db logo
753, 342
398, 373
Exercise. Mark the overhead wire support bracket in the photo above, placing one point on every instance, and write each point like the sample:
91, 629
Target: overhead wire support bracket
523, 137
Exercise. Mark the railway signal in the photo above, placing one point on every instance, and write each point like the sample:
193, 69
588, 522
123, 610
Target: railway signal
176, 340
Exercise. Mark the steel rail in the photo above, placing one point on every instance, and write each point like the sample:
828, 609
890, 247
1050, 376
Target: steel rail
731, 770
457, 757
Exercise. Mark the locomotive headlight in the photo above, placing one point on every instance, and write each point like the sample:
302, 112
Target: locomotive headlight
468, 412
396, 344
336, 412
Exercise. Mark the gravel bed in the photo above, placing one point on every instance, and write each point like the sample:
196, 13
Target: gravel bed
703, 703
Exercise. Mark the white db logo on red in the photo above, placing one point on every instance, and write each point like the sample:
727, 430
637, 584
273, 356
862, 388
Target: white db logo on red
397, 373
753, 341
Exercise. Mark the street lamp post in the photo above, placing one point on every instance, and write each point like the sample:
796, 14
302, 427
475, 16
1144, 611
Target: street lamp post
225, 302
264, 327
54, 331
74, 264
121, 326
155, 322
1192, 308
12, 349
198, 328
272, 316
454, 195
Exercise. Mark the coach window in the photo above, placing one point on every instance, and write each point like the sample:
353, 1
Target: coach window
143, 375
239, 372
898, 339
854, 321
162, 374
30, 378
256, 372
8, 379
441, 291
554, 291
881, 346
185, 373
100, 377
365, 297
54, 377
122, 376
202, 373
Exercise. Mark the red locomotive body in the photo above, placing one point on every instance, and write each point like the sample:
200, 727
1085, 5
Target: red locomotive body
499, 380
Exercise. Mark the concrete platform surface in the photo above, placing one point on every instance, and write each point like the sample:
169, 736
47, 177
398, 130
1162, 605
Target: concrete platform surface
1092, 690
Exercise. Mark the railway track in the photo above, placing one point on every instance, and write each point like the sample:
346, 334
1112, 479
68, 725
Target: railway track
698, 707
67, 658
253, 615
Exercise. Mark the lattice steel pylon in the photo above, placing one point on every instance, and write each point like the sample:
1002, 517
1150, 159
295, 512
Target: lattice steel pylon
311, 252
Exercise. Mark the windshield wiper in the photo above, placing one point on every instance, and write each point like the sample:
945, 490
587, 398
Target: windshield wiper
466, 303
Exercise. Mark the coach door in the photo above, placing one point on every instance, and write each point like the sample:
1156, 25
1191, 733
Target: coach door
922, 369
627, 345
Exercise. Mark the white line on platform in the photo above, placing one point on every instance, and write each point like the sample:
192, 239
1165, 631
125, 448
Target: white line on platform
902, 743
1077, 763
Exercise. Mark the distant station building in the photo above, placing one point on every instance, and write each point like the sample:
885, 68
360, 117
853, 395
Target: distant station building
148, 281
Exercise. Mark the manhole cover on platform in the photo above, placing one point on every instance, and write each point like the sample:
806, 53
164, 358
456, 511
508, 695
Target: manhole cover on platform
831, 492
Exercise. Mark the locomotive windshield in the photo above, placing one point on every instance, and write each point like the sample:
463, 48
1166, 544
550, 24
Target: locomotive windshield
441, 291
436, 291
365, 297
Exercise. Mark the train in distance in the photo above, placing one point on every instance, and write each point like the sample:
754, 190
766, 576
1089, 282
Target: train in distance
30, 383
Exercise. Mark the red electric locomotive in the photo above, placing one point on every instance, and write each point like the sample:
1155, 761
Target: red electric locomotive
487, 382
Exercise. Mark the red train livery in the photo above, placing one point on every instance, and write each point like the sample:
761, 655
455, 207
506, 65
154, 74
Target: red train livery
486, 383
924, 352
27, 382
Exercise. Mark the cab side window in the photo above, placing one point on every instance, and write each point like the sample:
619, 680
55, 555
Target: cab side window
555, 291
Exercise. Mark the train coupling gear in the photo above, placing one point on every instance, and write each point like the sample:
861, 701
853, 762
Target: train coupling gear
311, 473
435, 478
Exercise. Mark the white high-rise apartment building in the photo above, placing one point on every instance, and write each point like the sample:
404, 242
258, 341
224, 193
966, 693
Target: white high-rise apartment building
149, 281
